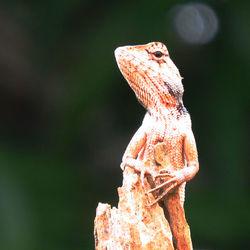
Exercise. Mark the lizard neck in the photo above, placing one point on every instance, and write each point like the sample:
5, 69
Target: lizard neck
167, 110
158, 96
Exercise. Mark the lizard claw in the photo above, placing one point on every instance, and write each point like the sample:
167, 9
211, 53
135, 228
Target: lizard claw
134, 164
171, 175
176, 178
162, 195
164, 173
138, 167
172, 180
122, 166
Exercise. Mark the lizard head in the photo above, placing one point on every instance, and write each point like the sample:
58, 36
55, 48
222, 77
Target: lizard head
151, 74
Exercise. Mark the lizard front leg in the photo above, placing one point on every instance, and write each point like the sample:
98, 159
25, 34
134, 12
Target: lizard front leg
130, 157
134, 153
135, 146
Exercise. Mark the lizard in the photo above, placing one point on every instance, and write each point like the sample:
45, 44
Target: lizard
157, 84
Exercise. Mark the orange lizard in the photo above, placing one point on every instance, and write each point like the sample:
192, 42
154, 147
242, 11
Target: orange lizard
157, 84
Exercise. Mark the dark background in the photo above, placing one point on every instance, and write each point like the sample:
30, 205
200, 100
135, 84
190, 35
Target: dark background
67, 114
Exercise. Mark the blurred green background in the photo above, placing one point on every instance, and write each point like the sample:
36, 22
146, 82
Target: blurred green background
67, 114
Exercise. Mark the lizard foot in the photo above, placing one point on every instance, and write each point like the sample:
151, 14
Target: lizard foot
176, 178
134, 164
138, 167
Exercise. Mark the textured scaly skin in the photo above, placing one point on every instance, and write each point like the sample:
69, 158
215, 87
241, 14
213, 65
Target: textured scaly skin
157, 84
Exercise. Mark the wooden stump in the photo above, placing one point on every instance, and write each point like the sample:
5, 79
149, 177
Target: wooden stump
134, 224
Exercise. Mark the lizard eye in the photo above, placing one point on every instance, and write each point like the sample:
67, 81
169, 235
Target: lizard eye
158, 54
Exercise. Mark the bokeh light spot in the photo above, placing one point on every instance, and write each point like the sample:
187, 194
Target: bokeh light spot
196, 23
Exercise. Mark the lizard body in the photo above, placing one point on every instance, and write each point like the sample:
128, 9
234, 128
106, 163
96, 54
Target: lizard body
158, 86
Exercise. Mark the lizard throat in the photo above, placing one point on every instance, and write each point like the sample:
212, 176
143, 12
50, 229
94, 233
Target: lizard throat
152, 93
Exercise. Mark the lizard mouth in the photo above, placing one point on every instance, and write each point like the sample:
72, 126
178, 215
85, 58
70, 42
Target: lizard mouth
128, 61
